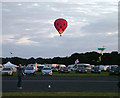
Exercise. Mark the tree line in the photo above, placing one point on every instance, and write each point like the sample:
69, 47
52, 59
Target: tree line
92, 58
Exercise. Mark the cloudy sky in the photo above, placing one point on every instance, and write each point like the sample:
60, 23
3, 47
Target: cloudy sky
28, 27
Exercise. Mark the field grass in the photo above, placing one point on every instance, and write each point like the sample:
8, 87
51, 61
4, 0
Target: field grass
60, 94
80, 74
72, 73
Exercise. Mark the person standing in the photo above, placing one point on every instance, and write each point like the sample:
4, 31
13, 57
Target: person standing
20, 75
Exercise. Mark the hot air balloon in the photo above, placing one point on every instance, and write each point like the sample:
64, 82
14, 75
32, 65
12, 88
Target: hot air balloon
60, 24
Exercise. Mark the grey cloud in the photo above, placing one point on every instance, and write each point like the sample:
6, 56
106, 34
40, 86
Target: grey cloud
62, 46
109, 23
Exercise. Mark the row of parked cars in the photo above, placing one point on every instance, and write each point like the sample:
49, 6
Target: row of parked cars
50, 70
31, 70
27, 70
95, 69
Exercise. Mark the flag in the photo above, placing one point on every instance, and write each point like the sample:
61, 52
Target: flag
77, 61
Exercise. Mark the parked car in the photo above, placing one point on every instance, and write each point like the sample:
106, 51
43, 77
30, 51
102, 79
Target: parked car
108, 69
115, 70
14, 69
46, 71
54, 69
81, 70
64, 70
7, 71
101, 67
96, 69
32, 65
60, 68
29, 70
40, 68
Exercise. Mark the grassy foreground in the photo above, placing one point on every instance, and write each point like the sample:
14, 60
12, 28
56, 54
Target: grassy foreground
60, 94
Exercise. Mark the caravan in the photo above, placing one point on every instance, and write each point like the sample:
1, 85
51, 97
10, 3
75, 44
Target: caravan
87, 66
74, 67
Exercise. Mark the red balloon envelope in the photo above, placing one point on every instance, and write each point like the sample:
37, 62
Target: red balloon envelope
60, 24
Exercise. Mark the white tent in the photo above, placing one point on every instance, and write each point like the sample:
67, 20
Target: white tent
9, 64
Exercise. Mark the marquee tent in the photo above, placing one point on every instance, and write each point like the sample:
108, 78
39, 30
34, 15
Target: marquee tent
9, 64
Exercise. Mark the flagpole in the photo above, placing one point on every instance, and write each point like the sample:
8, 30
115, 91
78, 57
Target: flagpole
76, 61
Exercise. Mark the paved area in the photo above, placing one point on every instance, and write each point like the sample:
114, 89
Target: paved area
30, 83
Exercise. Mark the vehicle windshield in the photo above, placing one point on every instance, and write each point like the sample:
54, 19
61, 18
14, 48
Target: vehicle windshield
40, 66
81, 68
29, 68
66, 68
62, 67
7, 69
113, 68
88, 67
46, 69
96, 68
54, 68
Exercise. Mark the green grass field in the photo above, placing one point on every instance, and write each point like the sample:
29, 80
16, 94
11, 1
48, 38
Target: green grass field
80, 74
72, 73
60, 94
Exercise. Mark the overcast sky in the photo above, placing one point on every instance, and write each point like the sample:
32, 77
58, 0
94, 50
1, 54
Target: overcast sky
28, 27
